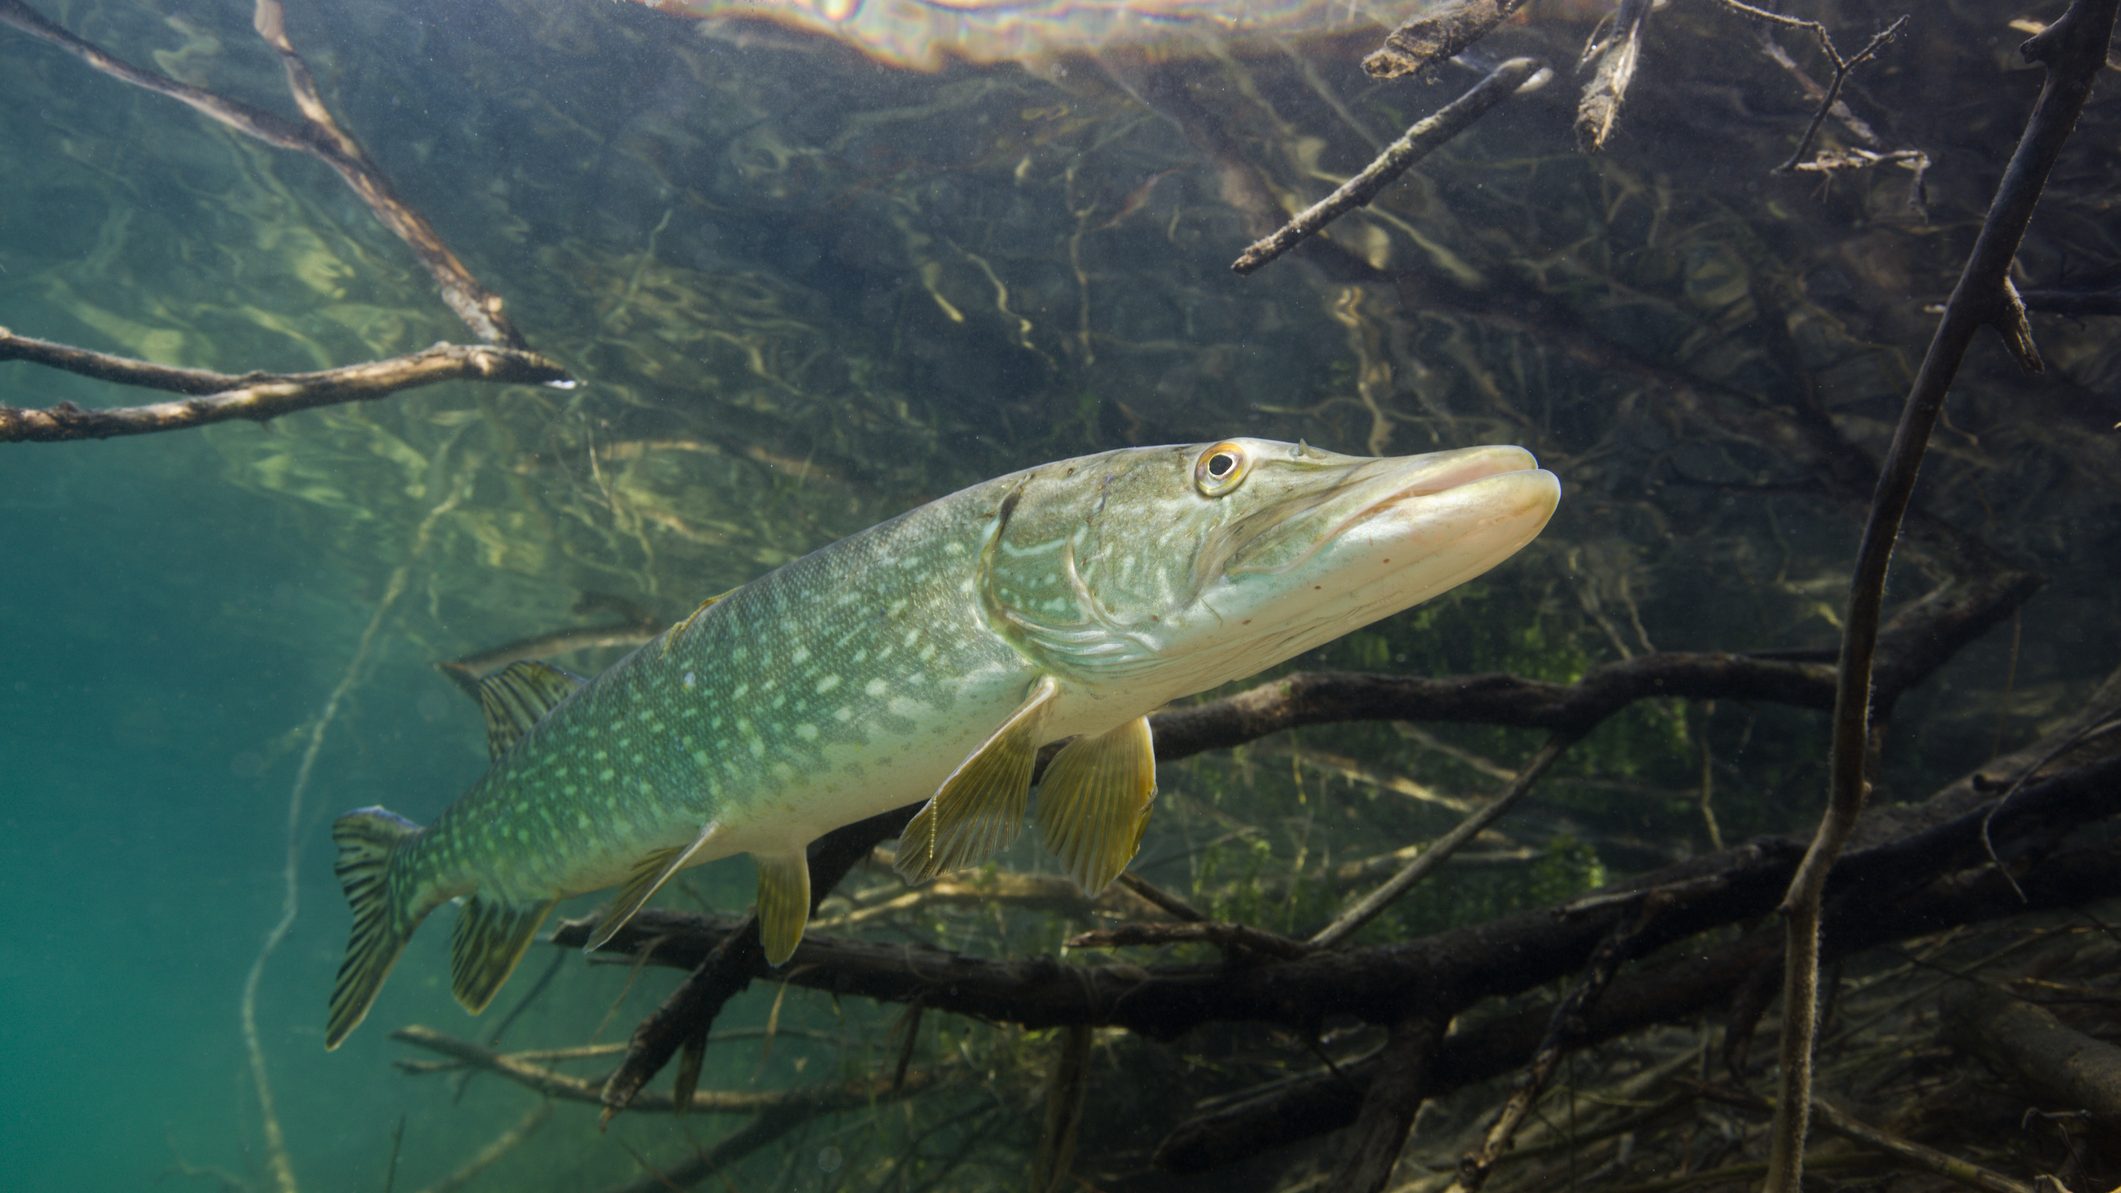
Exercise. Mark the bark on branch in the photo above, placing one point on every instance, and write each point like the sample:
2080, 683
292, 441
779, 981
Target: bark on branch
1685, 988
258, 397
1424, 138
2058, 1066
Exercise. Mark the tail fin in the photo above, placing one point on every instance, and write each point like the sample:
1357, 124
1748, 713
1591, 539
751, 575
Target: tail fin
369, 840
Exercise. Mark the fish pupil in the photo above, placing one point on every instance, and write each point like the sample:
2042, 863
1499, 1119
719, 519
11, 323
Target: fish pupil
1220, 464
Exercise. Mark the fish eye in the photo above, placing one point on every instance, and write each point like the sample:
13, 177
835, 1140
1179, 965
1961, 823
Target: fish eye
1221, 469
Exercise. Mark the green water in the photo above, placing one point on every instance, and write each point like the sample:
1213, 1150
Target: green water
804, 291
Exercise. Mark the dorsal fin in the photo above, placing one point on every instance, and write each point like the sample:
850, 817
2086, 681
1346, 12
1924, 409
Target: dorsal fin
518, 696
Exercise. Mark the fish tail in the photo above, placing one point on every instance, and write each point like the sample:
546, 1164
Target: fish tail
371, 845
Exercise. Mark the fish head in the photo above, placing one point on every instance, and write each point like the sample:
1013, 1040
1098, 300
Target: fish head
1180, 568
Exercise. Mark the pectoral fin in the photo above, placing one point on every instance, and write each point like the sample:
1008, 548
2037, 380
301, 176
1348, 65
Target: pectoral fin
490, 939
649, 875
1094, 802
980, 808
784, 902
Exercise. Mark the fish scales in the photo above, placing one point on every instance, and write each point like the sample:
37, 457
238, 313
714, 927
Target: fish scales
774, 705
926, 658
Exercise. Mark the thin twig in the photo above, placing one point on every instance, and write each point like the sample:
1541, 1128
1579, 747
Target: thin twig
397, 1145
1988, 844
1392, 888
2073, 50
1914, 1155
1151, 893
1841, 66
1565, 1032
496, 1148
568, 1087
1422, 139
318, 135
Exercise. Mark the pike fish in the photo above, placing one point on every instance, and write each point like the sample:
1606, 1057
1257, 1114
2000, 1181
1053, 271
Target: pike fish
926, 658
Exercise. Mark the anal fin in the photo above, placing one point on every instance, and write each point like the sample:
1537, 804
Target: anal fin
1093, 802
649, 875
979, 809
784, 902
491, 937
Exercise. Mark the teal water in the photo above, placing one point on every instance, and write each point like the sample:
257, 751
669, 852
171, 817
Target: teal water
805, 291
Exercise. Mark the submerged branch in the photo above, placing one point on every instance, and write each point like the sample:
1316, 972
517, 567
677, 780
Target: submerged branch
1565, 1030
1922, 638
1906, 1151
1370, 906
2052, 1063
722, 972
1702, 981
2073, 50
1378, 983
553, 1083
1434, 35
1424, 138
1388, 1106
320, 136
1842, 65
1611, 60
1240, 938
258, 397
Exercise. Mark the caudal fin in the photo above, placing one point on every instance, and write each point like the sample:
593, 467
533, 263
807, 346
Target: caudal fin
369, 839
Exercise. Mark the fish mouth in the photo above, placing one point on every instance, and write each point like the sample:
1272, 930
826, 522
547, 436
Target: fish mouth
1434, 476
1442, 499
1402, 507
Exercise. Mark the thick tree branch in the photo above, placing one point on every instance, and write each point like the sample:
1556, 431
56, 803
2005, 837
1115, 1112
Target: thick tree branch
2057, 1065
1686, 987
1379, 983
1389, 1104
